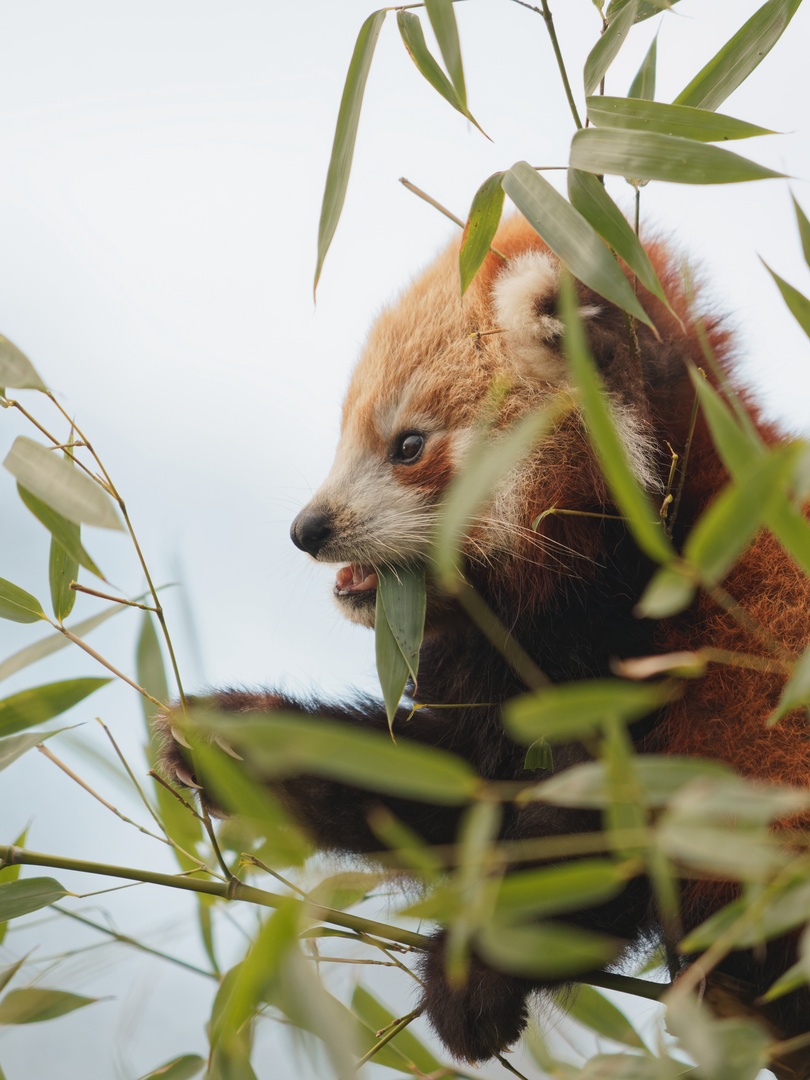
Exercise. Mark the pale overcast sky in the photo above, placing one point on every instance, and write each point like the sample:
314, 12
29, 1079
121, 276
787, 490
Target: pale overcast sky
162, 169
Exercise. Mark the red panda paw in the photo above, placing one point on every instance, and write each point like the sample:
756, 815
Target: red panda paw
479, 1018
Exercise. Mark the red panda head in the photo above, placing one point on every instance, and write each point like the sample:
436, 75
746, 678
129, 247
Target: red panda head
414, 409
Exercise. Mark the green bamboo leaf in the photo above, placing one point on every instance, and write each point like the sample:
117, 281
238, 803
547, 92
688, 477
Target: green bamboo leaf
589, 1007
260, 813
151, 672
547, 950
570, 237
33, 1005
348, 888
607, 47
556, 890
181, 1068
575, 710
688, 123
8, 973
658, 778
793, 979
410, 29
670, 590
21, 897
403, 597
392, 667
727, 1049
65, 489
65, 533
589, 197
11, 873
375, 1017
62, 570
488, 461
649, 155
16, 370
731, 520
284, 743
642, 519
18, 605
798, 304
340, 163
15, 746
796, 691
740, 447
784, 912
443, 20
646, 9
643, 86
54, 642
482, 224
804, 229
35, 706
737, 59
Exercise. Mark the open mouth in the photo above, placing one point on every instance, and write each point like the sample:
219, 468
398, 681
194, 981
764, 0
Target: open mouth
355, 578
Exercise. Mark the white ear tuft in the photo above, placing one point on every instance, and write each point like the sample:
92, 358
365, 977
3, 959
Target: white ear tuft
524, 303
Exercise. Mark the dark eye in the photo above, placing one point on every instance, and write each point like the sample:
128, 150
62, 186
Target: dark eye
408, 447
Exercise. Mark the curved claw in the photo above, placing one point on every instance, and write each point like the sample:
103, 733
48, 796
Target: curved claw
186, 779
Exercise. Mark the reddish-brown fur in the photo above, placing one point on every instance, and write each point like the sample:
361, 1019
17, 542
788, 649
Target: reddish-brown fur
567, 591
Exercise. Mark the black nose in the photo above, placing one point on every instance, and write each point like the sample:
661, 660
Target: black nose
310, 530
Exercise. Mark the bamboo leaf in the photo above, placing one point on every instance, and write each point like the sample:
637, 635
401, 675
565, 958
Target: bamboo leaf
11, 873
63, 488
392, 667
181, 1068
642, 520
798, 304
18, 605
32, 1005
649, 155
403, 597
410, 29
796, 691
804, 229
570, 237
8, 973
35, 706
658, 778
785, 911
643, 86
646, 9
556, 890
288, 743
589, 1007
62, 570
376, 1017
340, 163
15, 746
16, 370
732, 65
443, 20
731, 520
53, 642
670, 590
607, 47
681, 120
547, 950
575, 710
482, 224
589, 197
64, 532
487, 463
21, 897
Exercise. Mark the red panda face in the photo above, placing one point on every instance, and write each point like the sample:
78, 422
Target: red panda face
414, 409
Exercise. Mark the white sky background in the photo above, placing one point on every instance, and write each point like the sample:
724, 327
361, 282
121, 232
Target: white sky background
160, 182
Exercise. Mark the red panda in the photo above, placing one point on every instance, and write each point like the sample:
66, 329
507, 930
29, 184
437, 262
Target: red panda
567, 591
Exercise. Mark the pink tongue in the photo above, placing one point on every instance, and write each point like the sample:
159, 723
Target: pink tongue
355, 578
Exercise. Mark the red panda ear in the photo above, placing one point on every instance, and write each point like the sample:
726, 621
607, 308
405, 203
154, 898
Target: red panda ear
524, 301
